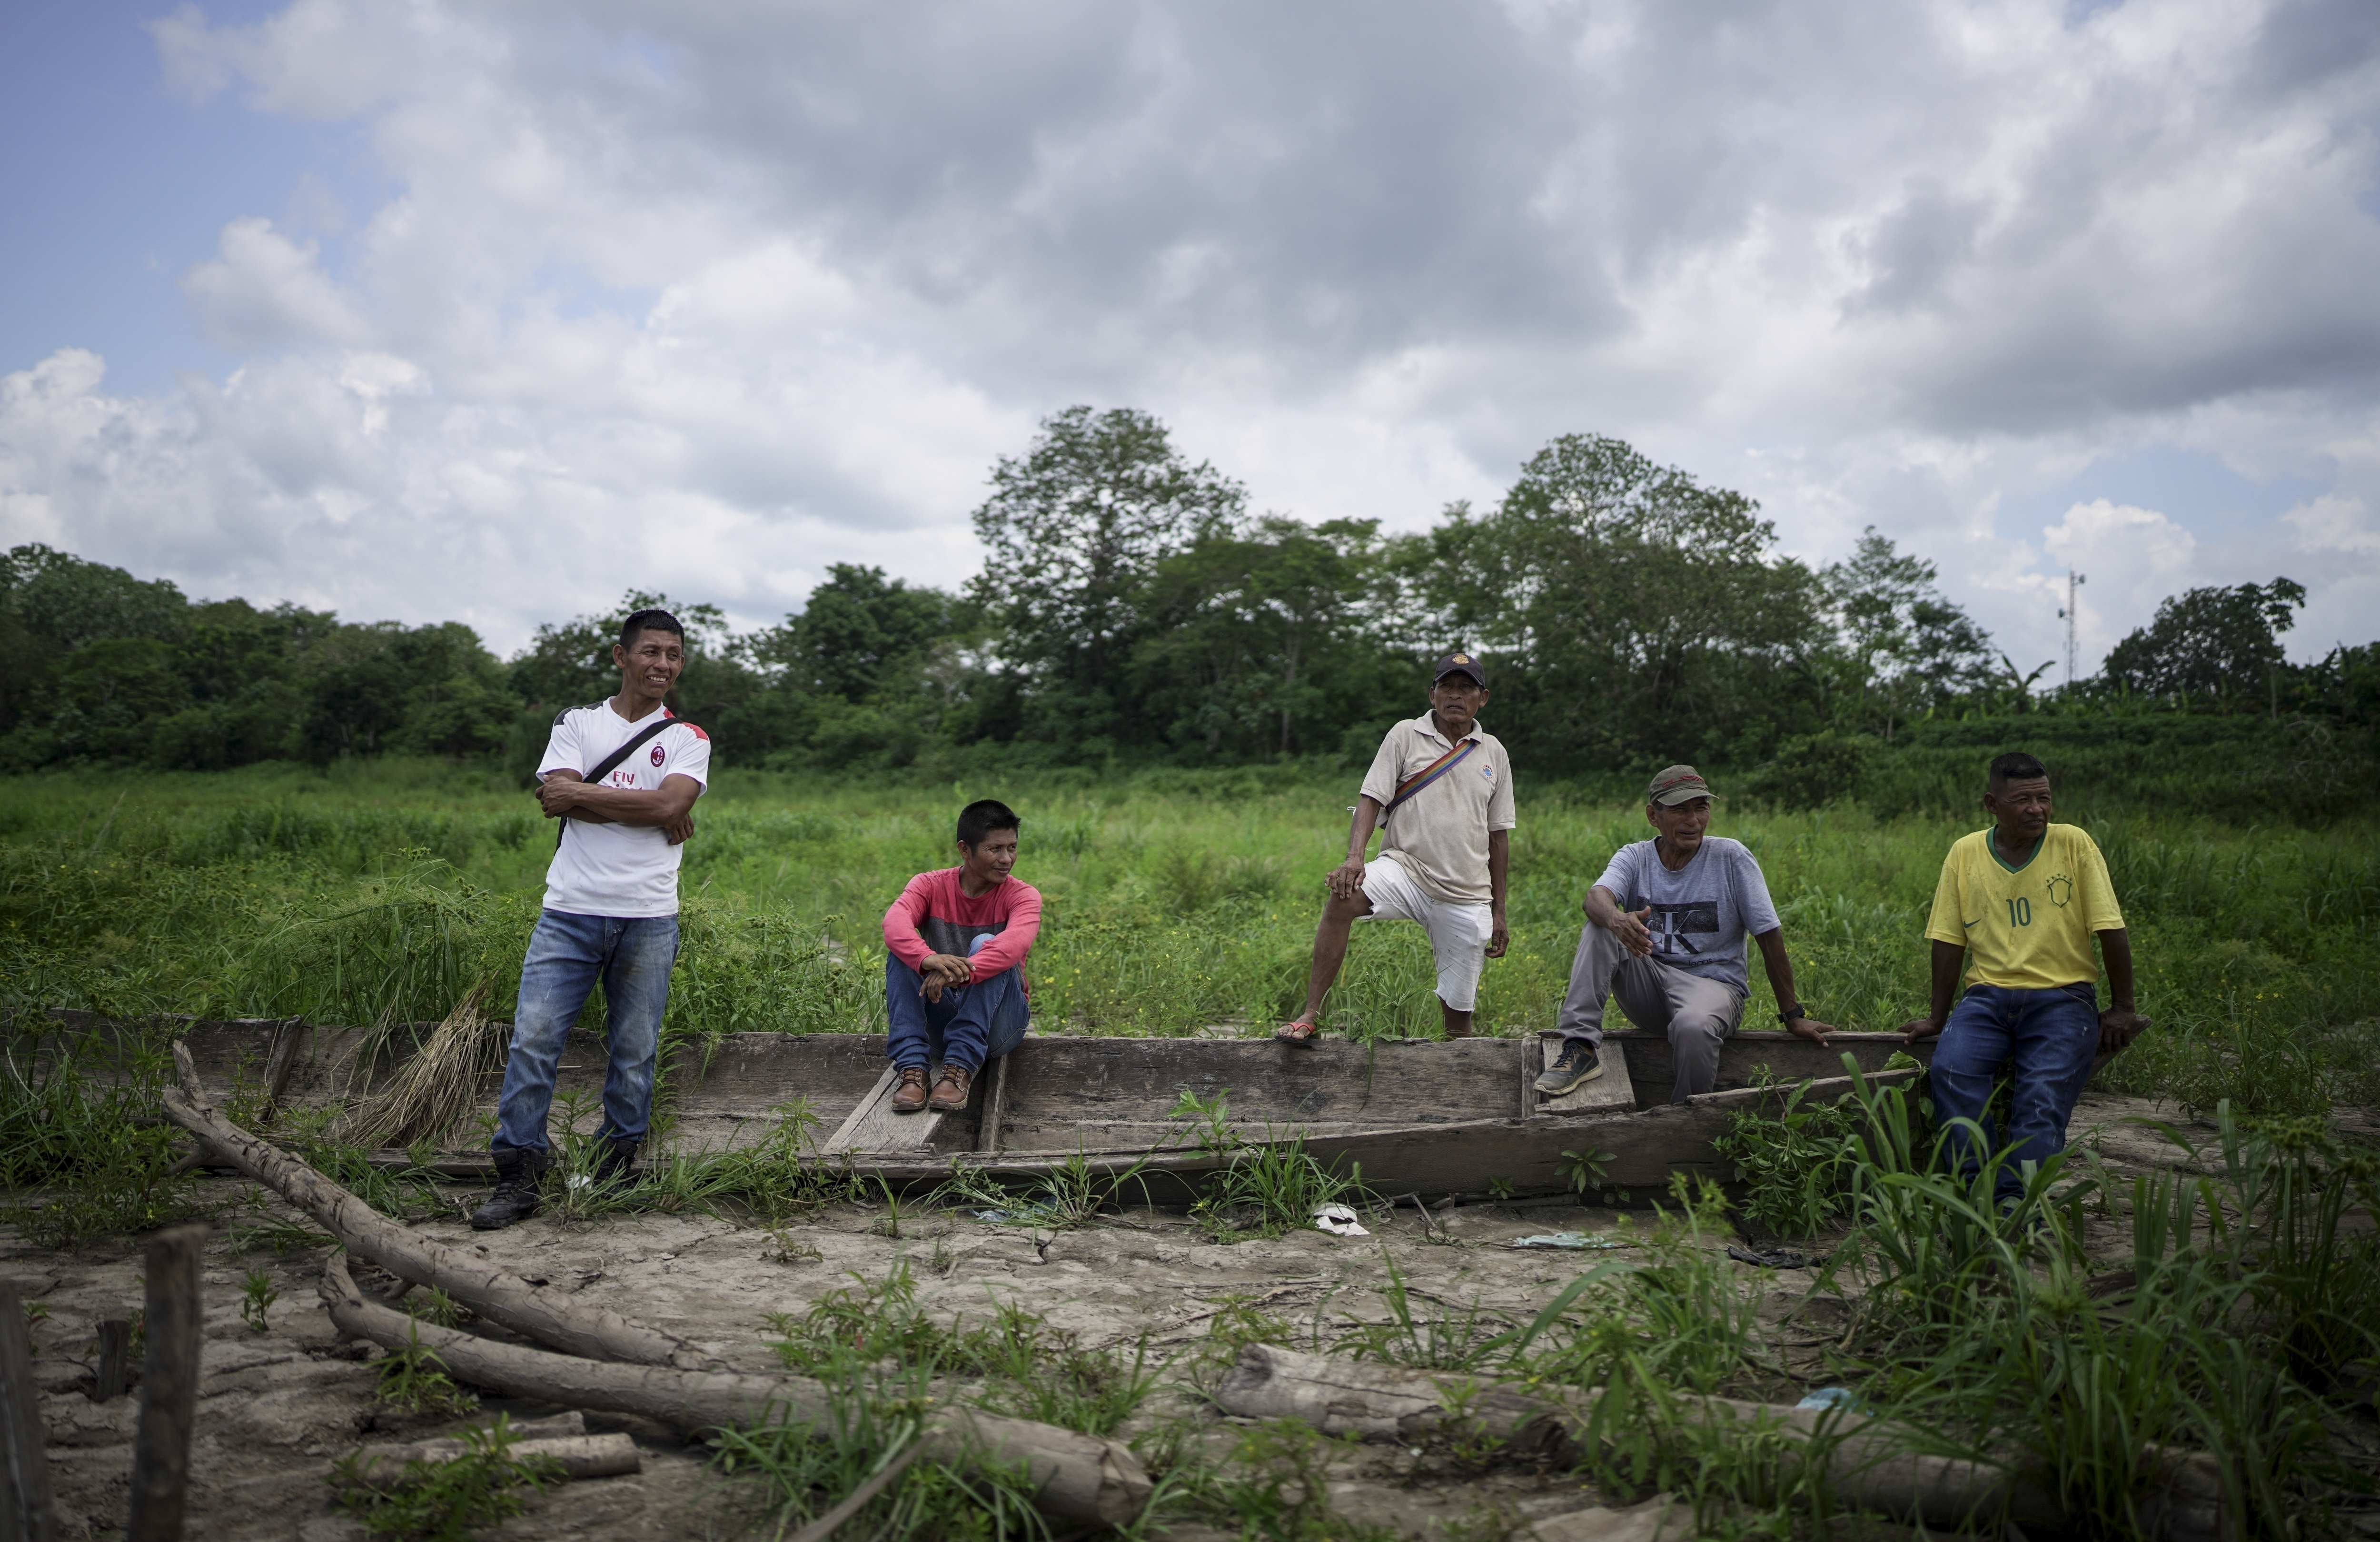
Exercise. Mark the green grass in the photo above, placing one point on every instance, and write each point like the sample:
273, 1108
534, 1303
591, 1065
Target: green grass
1175, 900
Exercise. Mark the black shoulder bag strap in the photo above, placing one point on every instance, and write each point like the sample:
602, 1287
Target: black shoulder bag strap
611, 762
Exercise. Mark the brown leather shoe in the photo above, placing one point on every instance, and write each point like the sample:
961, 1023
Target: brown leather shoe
910, 1096
951, 1092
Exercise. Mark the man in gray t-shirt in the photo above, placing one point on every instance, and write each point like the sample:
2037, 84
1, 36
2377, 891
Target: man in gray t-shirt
1665, 932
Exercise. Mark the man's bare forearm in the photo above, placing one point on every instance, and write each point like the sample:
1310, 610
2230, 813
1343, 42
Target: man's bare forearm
1779, 967
1948, 959
625, 806
1602, 907
2116, 949
1499, 865
1359, 830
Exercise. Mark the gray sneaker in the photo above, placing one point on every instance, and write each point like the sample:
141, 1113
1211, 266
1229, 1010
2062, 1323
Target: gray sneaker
1573, 1068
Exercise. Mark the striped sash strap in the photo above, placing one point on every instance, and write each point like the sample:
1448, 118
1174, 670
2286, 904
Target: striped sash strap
1427, 775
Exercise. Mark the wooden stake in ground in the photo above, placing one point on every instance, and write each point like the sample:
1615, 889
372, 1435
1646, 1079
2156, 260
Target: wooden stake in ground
169, 1387
1076, 1477
24, 1514
114, 1374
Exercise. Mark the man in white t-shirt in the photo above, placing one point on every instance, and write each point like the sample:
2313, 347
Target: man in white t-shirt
1442, 788
611, 909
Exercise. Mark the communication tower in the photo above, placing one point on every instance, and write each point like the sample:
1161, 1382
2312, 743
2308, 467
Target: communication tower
2073, 582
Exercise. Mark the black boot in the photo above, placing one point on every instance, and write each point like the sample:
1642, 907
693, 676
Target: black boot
615, 1161
518, 1173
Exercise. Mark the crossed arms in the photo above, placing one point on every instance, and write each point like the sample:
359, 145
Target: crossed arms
670, 808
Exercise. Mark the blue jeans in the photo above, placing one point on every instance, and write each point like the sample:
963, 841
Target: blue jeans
2045, 1040
632, 955
974, 1023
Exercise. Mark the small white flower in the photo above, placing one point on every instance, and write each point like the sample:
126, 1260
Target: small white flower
578, 1181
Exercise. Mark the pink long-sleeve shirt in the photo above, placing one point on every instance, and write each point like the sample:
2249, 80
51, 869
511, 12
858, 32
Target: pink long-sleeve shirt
933, 917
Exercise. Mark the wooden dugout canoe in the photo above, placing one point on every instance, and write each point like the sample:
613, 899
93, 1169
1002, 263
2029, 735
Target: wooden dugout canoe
1416, 1115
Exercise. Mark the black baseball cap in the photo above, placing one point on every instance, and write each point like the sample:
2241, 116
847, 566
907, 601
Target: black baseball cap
1460, 663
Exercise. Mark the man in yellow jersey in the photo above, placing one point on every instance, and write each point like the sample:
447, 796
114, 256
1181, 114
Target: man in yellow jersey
2019, 904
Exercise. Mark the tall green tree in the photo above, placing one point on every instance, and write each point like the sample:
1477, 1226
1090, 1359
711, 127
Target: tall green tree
1625, 609
1908, 647
1074, 531
858, 635
1267, 640
383, 686
2222, 646
53, 604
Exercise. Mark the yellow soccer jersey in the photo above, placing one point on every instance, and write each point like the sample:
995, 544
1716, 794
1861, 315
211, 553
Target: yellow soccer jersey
2027, 928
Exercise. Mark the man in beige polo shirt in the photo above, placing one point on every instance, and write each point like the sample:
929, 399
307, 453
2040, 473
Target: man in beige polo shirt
1442, 788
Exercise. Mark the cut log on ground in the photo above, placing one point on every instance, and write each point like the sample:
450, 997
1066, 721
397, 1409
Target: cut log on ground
1866, 1466
1076, 1477
502, 1297
576, 1456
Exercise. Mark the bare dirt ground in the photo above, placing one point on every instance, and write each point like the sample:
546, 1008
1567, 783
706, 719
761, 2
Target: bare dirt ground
279, 1406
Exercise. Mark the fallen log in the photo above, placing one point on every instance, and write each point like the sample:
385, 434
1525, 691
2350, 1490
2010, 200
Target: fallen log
576, 1456
1866, 1465
499, 1296
1076, 1477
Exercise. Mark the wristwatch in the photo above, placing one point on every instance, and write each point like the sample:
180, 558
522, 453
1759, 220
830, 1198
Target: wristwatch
1786, 1014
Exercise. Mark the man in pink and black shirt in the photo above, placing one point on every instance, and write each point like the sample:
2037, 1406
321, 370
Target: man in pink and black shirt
955, 970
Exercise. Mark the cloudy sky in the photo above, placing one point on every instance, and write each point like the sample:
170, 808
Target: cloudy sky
488, 311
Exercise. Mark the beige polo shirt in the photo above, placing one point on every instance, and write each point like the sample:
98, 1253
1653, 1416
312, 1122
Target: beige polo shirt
1440, 834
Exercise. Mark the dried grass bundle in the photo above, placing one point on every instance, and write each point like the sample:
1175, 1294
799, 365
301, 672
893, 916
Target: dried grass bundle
433, 1091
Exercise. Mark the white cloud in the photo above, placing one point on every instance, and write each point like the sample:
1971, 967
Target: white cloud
743, 290
264, 290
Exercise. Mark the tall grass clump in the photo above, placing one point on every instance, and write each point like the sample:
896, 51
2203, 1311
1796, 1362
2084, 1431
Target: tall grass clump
2244, 1300
83, 1152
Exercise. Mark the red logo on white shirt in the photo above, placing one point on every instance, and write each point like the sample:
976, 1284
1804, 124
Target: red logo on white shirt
659, 755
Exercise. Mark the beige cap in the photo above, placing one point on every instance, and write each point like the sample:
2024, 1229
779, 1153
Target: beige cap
1678, 784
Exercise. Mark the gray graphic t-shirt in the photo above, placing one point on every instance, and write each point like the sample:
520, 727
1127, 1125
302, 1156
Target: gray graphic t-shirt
1702, 914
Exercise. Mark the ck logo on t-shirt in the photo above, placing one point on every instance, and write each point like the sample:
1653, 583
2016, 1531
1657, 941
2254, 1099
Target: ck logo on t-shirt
1674, 927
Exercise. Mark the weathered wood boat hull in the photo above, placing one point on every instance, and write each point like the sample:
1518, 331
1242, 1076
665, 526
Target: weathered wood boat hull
1414, 1115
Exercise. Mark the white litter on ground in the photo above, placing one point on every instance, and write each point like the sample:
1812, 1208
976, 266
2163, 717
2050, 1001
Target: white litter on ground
1339, 1221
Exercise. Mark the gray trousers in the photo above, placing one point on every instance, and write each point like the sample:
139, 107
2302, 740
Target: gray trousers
1697, 1013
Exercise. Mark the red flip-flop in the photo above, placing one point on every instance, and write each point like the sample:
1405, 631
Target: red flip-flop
1302, 1031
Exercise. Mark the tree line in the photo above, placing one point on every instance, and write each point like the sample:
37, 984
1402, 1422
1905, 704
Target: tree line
1132, 607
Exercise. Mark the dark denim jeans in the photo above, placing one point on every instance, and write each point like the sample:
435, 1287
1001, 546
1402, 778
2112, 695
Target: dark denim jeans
2045, 1040
976, 1023
632, 955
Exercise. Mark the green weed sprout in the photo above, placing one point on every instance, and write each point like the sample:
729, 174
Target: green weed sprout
414, 1379
1216, 1136
257, 1296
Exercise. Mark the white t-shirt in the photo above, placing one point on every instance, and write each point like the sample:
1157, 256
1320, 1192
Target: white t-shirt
619, 869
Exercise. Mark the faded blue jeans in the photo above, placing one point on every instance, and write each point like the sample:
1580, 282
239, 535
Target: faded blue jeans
2045, 1041
972, 1024
567, 953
